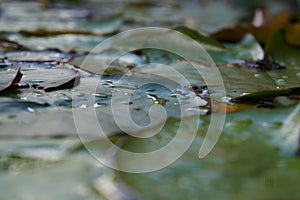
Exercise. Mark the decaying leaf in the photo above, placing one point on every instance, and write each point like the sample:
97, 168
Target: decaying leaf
262, 32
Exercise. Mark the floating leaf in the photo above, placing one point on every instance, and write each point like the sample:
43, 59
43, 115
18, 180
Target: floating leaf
105, 25
238, 79
60, 83
64, 42
9, 79
143, 99
7, 45
44, 32
288, 54
280, 182
109, 62
216, 50
195, 35
292, 32
46, 76
244, 131
71, 178
262, 33
247, 49
36, 56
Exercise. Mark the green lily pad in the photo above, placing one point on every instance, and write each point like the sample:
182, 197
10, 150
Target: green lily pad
247, 49
105, 25
207, 42
189, 177
131, 96
279, 50
109, 62
280, 182
238, 80
71, 178
64, 42
206, 50
47, 77
35, 56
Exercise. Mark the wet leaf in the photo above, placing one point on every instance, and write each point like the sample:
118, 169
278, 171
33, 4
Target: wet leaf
11, 107
64, 42
280, 182
247, 49
47, 76
136, 95
216, 50
60, 83
71, 178
105, 25
180, 45
109, 62
9, 79
191, 177
36, 56
237, 78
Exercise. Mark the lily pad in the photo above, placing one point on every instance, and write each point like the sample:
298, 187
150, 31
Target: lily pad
58, 177
7, 45
36, 56
238, 80
191, 177
9, 79
137, 97
247, 49
262, 32
288, 54
47, 76
64, 42
109, 62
